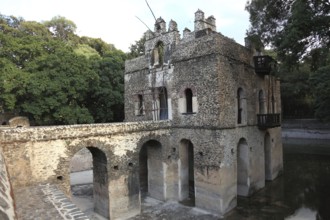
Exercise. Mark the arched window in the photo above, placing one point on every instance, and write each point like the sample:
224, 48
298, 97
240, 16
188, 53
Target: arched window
189, 100
261, 102
239, 106
140, 104
158, 54
188, 103
163, 105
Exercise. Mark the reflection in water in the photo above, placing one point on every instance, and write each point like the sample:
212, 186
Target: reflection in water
303, 214
302, 192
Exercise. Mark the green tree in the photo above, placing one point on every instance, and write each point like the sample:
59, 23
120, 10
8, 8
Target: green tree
298, 31
97, 44
106, 101
291, 27
57, 89
12, 84
321, 84
137, 49
61, 27
58, 80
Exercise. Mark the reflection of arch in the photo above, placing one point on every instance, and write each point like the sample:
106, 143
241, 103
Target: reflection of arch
151, 170
267, 153
261, 100
100, 181
241, 107
242, 168
186, 172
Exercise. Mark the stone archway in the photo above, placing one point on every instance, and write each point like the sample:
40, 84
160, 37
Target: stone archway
95, 179
151, 170
186, 173
243, 164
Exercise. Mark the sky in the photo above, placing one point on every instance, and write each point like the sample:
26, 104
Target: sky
115, 22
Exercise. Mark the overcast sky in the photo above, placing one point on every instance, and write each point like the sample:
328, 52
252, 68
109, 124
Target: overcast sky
115, 21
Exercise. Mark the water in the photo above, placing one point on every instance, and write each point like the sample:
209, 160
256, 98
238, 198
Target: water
302, 192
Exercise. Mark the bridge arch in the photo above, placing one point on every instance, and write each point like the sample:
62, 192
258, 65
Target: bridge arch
186, 172
100, 179
151, 169
243, 166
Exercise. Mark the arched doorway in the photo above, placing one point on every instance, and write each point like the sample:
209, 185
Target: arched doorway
242, 168
89, 182
267, 155
151, 170
186, 173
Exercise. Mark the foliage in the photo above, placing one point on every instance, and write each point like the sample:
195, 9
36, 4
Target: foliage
53, 76
85, 50
137, 49
109, 94
292, 27
61, 27
321, 82
298, 32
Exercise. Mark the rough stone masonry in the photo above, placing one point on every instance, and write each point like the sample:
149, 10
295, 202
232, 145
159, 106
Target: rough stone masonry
199, 127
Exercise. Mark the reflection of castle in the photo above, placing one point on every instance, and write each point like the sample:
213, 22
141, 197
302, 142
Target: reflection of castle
223, 106
202, 126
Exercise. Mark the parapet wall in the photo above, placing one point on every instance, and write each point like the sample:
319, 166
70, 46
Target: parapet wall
76, 131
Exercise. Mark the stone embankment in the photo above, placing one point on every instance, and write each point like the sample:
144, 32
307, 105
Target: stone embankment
305, 128
7, 205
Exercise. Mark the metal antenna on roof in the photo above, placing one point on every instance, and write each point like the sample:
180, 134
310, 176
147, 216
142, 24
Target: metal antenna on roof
143, 23
151, 10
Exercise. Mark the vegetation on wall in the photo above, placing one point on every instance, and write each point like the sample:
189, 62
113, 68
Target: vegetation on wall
53, 76
298, 32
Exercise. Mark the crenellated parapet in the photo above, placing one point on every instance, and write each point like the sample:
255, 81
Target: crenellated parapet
201, 23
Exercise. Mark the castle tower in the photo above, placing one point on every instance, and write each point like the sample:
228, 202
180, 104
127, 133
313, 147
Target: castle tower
199, 20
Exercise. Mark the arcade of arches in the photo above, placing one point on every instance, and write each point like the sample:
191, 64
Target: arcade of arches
197, 167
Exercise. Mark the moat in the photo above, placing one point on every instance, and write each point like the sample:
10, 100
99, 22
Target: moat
301, 192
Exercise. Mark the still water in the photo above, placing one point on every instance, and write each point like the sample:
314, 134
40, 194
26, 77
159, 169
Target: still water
301, 193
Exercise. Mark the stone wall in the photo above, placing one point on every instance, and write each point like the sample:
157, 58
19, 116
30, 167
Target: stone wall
7, 205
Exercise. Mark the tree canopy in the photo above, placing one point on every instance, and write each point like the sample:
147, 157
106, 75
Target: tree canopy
298, 32
293, 28
53, 76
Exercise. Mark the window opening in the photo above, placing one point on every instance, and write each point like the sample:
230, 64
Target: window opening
189, 102
140, 104
163, 111
239, 106
261, 102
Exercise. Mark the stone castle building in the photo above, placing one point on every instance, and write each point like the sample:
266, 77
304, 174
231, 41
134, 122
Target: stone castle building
202, 125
